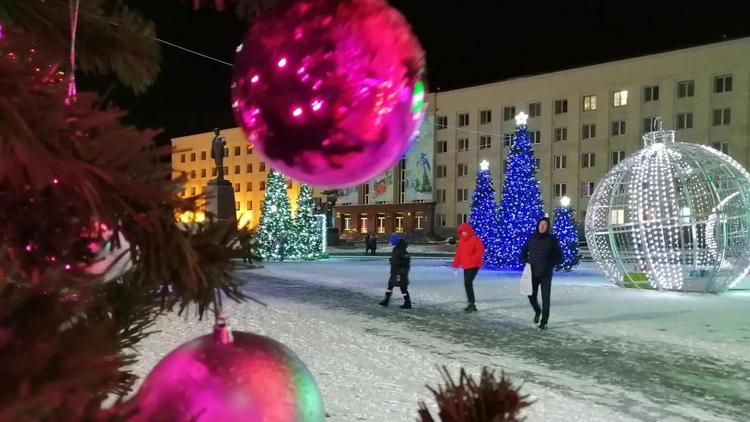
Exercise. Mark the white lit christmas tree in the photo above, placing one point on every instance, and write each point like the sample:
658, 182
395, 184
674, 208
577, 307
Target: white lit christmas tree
308, 241
275, 229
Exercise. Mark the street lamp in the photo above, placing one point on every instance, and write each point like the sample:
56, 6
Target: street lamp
565, 201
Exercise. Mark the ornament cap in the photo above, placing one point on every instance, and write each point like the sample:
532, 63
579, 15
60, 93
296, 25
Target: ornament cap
222, 333
658, 135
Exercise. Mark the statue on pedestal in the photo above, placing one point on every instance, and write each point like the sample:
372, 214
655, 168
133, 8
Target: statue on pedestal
217, 152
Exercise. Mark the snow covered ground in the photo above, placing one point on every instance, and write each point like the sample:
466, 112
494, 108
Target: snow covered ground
610, 354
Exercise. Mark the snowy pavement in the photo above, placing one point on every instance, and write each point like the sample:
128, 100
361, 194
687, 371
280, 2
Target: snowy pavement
610, 354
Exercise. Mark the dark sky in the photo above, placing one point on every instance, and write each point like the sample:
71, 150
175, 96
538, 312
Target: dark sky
467, 42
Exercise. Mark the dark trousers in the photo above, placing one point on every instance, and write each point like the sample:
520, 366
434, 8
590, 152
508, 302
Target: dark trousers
393, 283
546, 284
469, 275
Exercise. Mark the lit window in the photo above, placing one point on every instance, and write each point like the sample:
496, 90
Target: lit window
589, 103
620, 98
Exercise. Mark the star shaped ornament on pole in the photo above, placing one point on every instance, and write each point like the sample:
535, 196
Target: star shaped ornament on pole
484, 165
521, 119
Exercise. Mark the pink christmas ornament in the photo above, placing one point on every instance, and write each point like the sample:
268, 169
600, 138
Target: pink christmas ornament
330, 91
229, 377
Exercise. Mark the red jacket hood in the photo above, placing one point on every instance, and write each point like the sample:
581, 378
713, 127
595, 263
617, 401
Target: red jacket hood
465, 227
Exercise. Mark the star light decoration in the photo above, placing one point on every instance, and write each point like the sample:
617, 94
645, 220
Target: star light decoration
484, 165
672, 216
521, 119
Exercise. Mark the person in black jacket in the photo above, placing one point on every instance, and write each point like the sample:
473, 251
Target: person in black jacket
542, 252
368, 243
400, 265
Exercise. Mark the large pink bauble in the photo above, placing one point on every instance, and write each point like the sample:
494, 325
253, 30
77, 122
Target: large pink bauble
330, 91
248, 378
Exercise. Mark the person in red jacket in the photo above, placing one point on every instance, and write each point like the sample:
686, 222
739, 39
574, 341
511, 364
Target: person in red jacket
469, 253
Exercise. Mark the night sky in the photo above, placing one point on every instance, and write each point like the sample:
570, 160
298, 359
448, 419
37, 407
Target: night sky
467, 42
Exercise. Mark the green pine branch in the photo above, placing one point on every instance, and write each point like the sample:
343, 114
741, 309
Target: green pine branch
111, 38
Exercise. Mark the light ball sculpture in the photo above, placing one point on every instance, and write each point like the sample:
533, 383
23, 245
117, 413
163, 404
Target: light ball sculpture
673, 216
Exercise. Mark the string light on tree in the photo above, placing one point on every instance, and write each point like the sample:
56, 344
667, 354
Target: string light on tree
275, 227
307, 243
564, 228
672, 216
521, 206
483, 216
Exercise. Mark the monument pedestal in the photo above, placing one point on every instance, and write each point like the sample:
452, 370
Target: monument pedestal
220, 200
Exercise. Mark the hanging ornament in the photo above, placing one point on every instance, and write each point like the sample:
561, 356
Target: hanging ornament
330, 91
229, 376
70, 97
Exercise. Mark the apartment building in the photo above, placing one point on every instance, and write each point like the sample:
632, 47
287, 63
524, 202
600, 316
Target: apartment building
191, 155
583, 121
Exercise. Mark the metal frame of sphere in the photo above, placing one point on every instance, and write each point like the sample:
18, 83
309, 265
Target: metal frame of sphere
672, 216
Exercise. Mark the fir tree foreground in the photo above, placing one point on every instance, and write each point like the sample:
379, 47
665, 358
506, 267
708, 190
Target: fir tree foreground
521, 206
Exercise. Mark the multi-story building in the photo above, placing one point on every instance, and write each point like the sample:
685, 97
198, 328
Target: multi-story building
583, 121
191, 155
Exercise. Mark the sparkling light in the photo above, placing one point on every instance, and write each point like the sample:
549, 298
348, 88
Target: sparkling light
521, 119
673, 216
297, 112
255, 79
565, 201
282, 62
484, 165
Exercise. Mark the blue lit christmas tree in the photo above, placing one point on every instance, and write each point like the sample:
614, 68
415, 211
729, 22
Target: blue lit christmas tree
521, 205
483, 217
564, 228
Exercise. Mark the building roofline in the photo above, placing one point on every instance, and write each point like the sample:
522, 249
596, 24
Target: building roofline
598, 64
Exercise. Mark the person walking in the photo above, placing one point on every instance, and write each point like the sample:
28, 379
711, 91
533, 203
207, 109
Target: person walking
469, 253
400, 266
367, 244
373, 244
542, 252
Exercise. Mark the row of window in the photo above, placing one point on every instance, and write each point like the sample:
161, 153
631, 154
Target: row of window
685, 89
237, 170
720, 117
204, 154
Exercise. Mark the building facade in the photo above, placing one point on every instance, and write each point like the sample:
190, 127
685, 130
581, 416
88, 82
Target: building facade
584, 121
191, 156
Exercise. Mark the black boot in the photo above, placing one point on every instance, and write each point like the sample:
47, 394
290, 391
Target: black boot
387, 299
470, 308
407, 302
536, 318
543, 326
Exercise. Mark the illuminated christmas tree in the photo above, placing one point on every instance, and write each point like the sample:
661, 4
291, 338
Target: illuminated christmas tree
275, 229
483, 217
307, 243
521, 205
564, 228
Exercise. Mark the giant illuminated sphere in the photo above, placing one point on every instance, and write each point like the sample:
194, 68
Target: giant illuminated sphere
672, 216
330, 91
